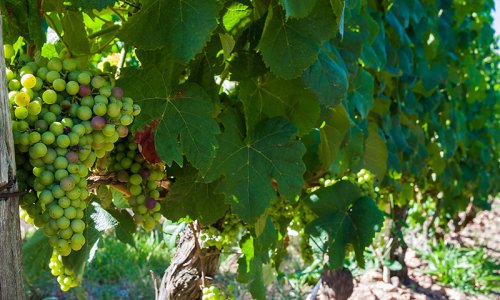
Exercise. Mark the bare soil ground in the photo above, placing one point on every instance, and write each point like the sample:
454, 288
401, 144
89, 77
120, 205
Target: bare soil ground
483, 231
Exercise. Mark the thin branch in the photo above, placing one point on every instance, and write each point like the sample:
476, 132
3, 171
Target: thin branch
118, 14
59, 35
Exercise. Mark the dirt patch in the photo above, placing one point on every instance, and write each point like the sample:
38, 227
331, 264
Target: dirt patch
483, 231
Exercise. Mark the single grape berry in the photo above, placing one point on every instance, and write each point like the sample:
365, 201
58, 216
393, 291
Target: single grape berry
117, 92
150, 203
98, 123
84, 90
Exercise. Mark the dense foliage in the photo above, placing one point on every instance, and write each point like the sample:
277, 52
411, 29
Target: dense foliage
317, 116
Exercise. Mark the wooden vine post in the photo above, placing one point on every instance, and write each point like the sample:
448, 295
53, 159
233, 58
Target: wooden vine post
11, 267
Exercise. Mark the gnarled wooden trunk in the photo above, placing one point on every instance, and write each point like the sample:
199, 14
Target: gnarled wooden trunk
190, 266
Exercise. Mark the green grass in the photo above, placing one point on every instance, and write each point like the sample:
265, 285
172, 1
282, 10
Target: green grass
468, 269
118, 271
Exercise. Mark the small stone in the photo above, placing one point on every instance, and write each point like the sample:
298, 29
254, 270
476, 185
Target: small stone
395, 281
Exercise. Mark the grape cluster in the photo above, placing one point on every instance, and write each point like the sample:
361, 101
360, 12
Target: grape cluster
66, 278
226, 237
364, 179
63, 120
142, 180
214, 293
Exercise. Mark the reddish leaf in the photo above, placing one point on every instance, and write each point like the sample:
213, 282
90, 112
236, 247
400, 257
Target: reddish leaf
146, 140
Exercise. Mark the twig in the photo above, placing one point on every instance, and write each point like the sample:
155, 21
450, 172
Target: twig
53, 26
5, 196
155, 282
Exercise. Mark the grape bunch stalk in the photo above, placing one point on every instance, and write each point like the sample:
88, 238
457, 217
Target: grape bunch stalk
63, 120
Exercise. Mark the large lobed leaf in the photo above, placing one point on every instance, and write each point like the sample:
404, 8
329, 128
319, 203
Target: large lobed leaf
191, 196
272, 97
344, 218
290, 46
181, 27
332, 134
249, 165
327, 77
185, 126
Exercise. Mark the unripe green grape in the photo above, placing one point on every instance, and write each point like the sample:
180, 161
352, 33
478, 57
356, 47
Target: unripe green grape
46, 197
126, 120
25, 70
28, 81
99, 109
22, 99
64, 202
55, 64
34, 137
63, 222
49, 117
63, 141
84, 78
51, 76
49, 96
113, 110
34, 107
21, 112
77, 225
66, 233
56, 212
46, 177
59, 85
14, 85
42, 72
38, 150
9, 51
69, 64
105, 91
84, 113
38, 85
87, 101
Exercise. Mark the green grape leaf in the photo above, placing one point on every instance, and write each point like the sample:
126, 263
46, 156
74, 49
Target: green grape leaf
332, 134
237, 17
248, 166
375, 156
344, 218
119, 199
289, 47
49, 50
181, 27
36, 255
273, 97
256, 255
191, 196
125, 227
361, 95
75, 35
327, 77
102, 220
185, 126
298, 8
